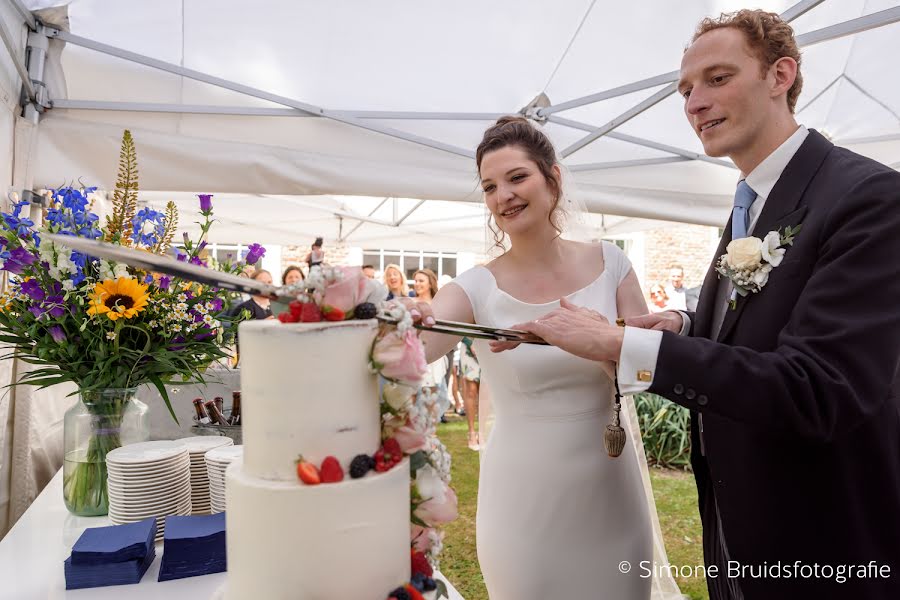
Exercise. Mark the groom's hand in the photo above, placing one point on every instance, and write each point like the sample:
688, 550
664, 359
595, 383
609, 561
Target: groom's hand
577, 330
668, 320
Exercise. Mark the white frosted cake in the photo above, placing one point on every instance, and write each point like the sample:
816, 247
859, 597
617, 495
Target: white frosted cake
307, 390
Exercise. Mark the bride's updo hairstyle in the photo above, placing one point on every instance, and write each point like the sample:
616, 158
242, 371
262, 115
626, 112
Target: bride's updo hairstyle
518, 131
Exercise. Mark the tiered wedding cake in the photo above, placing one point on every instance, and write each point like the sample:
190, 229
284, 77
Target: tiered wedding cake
307, 391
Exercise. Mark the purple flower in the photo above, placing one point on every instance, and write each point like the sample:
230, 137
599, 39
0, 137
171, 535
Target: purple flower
254, 253
196, 261
18, 259
205, 202
164, 282
58, 334
181, 257
217, 304
33, 290
54, 305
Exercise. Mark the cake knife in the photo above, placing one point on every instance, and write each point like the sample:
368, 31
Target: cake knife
170, 266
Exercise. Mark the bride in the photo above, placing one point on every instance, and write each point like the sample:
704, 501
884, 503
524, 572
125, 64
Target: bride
556, 515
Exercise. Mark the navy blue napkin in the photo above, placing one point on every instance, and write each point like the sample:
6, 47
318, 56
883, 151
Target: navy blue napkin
100, 575
193, 545
115, 543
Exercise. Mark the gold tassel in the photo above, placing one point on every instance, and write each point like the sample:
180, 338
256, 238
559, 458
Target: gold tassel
614, 437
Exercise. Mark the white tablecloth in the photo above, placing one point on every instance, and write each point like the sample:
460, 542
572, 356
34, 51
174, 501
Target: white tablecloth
32, 555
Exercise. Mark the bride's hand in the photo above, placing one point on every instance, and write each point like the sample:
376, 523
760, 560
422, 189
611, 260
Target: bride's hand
575, 329
419, 311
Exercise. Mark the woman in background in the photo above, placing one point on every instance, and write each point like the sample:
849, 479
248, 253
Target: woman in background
395, 282
291, 275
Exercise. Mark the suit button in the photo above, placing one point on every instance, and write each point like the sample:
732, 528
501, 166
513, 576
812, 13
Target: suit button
679, 389
690, 394
702, 400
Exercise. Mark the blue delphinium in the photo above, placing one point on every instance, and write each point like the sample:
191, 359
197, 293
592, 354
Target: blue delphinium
148, 226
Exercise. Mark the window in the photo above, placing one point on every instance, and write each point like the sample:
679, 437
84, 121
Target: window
442, 263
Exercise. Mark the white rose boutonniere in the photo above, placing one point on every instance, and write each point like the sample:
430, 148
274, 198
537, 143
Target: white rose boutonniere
748, 261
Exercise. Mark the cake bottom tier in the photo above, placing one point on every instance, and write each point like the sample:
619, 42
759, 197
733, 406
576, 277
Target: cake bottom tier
341, 540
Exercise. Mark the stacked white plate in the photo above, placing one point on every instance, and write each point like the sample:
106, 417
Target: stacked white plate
198, 446
217, 461
149, 479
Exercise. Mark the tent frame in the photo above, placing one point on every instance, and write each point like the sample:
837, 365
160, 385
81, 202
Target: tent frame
40, 34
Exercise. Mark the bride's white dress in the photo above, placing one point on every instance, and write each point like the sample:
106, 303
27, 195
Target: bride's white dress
556, 515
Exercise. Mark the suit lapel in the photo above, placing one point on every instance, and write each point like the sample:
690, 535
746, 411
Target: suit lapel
784, 199
707, 300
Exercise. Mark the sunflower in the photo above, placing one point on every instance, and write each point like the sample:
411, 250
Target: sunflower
122, 298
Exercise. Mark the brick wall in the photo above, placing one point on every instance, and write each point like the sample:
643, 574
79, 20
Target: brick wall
691, 246
335, 254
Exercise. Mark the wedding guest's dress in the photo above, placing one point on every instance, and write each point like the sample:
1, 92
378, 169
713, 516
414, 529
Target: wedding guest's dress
556, 515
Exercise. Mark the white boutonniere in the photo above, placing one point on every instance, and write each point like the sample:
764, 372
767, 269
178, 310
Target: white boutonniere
748, 261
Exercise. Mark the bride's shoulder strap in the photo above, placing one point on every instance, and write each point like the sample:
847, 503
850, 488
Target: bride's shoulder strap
617, 262
476, 283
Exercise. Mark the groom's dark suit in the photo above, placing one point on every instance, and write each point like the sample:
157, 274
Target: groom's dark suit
799, 393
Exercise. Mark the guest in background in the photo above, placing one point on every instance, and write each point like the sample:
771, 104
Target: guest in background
425, 285
316, 256
292, 275
259, 307
691, 297
676, 290
369, 271
470, 375
435, 381
659, 300
395, 282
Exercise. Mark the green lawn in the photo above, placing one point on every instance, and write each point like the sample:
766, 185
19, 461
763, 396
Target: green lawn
676, 501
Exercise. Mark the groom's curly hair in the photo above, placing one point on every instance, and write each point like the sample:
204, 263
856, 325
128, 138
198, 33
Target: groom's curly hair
769, 37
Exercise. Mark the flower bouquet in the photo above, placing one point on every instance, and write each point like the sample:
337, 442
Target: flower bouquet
104, 326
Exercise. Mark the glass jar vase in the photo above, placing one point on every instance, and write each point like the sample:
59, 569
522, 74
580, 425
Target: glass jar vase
101, 421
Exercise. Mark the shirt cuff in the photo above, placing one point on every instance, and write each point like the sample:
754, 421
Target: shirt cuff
637, 361
686, 323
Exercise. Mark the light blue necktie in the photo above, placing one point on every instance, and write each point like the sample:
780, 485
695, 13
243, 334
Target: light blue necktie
744, 197
740, 214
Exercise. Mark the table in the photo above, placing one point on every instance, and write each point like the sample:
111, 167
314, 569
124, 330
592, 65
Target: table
32, 555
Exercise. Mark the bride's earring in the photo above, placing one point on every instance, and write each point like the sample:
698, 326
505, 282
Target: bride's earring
614, 437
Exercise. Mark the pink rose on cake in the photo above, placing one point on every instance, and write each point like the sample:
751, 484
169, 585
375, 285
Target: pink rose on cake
400, 357
439, 505
410, 439
345, 293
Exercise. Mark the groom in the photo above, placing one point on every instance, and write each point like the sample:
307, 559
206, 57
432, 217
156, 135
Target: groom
794, 391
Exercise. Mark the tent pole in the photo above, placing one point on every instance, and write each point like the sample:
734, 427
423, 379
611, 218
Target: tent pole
858, 25
257, 111
20, 68
619, 164
864, 23
642, 142
651, 82
38, 44
398, 222
26, 14
343, 238
254, 92
621, 119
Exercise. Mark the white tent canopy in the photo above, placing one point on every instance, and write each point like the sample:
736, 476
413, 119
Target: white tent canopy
338, 95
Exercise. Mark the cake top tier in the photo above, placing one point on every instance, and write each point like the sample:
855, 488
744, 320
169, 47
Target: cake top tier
307, 391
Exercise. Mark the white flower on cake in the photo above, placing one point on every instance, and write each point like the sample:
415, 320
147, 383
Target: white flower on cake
748, 261
398, 396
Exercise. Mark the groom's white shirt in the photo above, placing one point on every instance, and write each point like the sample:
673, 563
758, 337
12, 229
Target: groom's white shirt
640, 347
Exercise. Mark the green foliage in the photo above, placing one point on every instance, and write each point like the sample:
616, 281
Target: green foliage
665, 429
